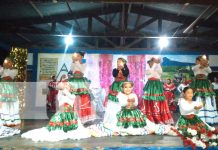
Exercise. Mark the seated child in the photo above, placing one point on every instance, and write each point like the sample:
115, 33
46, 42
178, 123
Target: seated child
64, 124
191, 128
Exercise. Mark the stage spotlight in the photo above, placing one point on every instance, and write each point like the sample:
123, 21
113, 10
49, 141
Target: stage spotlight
68, 40
163, 42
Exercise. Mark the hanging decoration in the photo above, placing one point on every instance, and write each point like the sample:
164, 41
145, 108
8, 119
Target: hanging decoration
19, 56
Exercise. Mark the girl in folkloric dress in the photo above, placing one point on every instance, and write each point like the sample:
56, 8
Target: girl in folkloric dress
81, 84
65, 124
52, 95
203, 91
9, 112
215, 88
155, 104
169, 88
190, 126
130, 120
120, 74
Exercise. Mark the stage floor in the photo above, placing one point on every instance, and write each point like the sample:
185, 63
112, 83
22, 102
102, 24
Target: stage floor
16, 142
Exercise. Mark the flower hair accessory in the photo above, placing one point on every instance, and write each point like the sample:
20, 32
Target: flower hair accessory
82, 53
123, 60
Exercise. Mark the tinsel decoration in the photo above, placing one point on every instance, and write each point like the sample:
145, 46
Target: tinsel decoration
19, 56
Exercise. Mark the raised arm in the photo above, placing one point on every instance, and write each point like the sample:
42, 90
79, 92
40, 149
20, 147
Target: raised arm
115, 72
125, 71
208, 69
158, 68
179, 88
194, 68
77, 66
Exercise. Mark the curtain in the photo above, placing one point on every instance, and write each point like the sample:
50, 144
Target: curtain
136, 65
106, 77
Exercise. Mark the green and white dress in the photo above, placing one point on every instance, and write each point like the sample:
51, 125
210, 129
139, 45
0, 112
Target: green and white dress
65, 124
130, 119
203, 92
81, 84
191, 127
113, 106
9, 113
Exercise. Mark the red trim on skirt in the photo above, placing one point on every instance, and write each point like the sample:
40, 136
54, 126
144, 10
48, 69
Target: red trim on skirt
84, 108
152, 78
157, 111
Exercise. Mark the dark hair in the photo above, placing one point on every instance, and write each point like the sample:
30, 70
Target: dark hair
186, 88
81, 53
198, 58
128, 82
122, 59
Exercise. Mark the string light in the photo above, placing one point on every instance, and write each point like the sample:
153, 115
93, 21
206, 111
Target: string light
19, 56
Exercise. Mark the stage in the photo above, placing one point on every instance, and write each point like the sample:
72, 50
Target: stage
92, 143
151, 142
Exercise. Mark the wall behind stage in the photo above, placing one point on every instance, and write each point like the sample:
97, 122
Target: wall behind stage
99, 67
99, 71
59, 64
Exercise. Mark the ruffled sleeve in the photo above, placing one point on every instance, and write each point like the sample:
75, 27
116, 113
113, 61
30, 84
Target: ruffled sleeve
64, 96
195, 68
136, 99
77, 66
125, 71
185, 107
122, 99
208, 69
158, 68
115, 72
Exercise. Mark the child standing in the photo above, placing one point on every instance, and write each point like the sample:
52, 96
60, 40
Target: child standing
65, 124
81, 85
154, 101
169, 88
9, 111
52, 95
189, 124
203, 91
120, 74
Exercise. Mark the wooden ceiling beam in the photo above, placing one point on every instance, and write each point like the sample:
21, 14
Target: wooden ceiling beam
144, 24
200, 2
108, 25
148, 11
61, 17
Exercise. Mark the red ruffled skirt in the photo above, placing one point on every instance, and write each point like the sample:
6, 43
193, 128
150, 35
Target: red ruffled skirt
84, 108
157, 111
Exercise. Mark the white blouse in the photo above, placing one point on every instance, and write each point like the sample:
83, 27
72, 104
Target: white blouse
187, 108
77, 66
123, 98
8, 72
64, 96
154, 71
197, 70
